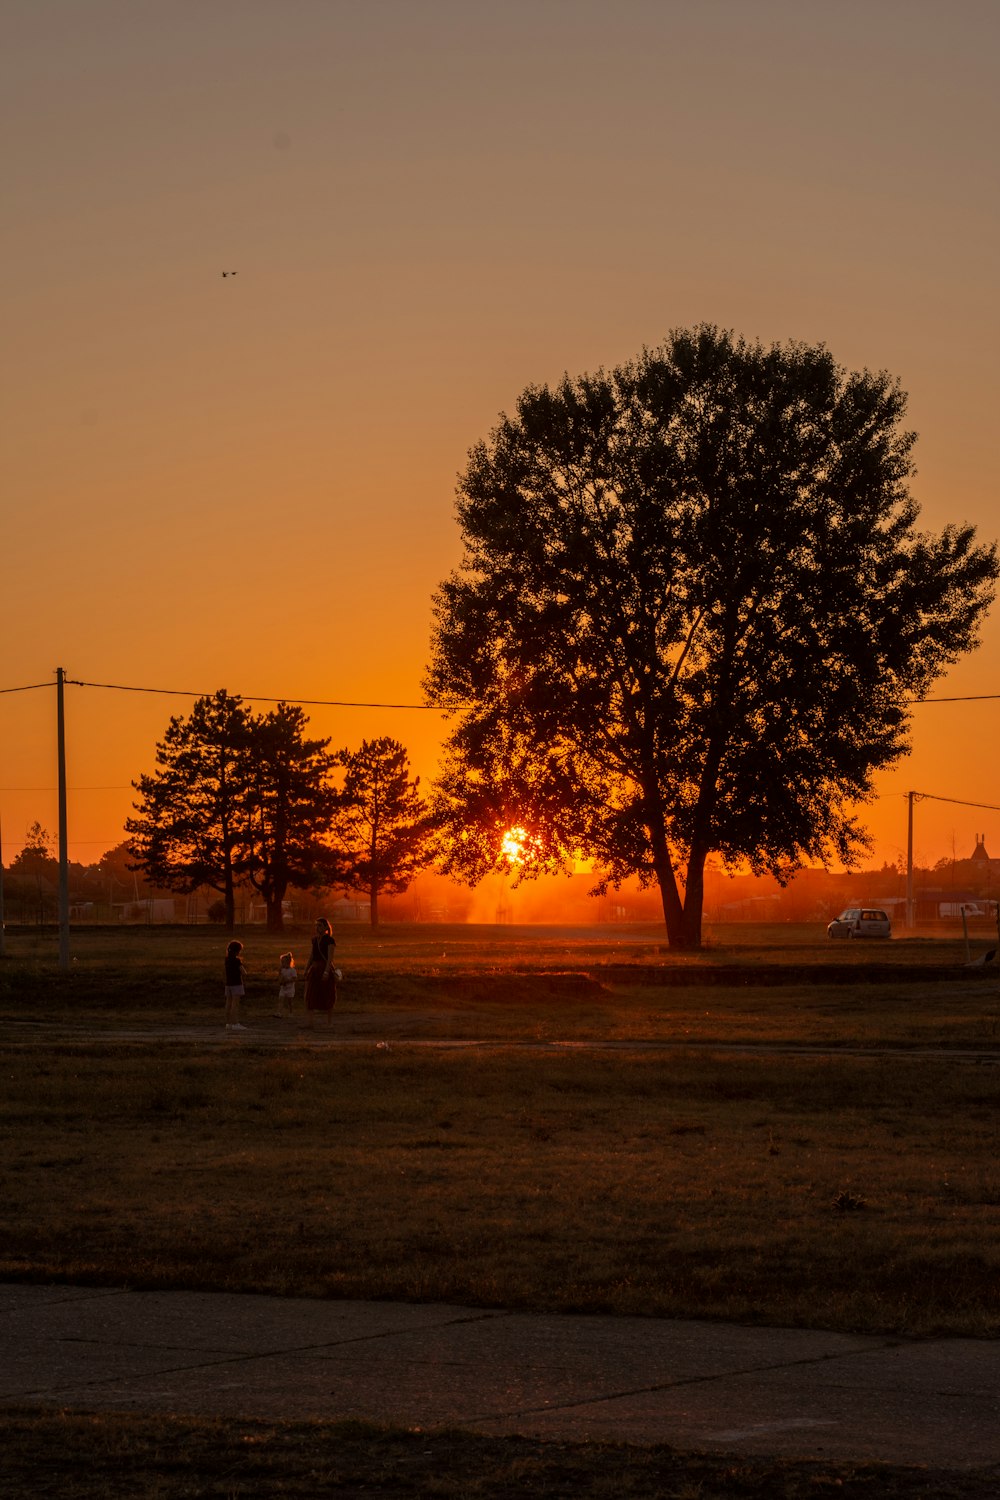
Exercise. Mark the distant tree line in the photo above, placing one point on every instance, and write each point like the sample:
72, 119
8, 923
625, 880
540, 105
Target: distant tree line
110, 884
112, 889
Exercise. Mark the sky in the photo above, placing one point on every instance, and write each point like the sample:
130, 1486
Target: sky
247, 481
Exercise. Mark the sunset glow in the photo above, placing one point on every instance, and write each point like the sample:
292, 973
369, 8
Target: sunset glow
247, 481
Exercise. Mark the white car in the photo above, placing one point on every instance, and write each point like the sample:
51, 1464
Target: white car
860, 921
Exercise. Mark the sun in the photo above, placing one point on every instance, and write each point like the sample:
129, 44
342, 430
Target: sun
513, 845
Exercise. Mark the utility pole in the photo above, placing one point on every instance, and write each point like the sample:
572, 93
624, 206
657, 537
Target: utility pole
63, 841
3, 937
909, 860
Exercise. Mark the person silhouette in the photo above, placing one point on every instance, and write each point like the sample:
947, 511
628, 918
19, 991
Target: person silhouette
321, 976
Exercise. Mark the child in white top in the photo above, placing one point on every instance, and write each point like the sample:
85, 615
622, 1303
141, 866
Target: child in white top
287, 974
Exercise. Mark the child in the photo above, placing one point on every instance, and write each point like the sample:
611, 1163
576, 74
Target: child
235, 986
286, 990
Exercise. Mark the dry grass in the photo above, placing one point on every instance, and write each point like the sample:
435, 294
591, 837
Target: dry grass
558, 1163
600, 1147
521, 984
842, 1193
436, 948
73, 1456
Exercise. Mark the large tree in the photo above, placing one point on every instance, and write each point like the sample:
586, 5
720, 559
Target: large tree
290, 806
693, 608
383, 826
191, 814
235, 796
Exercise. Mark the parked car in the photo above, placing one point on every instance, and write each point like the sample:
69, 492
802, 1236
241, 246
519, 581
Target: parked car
860, 921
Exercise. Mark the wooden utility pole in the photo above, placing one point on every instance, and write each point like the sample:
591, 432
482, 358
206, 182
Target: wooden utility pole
63, 841
909, 860
3, 936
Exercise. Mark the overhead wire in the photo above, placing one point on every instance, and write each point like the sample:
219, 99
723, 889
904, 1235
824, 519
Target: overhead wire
958, 801
121, 687
439, 707
965, 698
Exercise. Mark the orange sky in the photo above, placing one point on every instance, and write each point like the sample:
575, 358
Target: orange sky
248, 482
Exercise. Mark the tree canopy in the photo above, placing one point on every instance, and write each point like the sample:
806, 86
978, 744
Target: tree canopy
382, 824
236, 796
290, 804
693, 609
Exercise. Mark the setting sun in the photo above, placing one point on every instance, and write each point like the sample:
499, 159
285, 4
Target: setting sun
515, 842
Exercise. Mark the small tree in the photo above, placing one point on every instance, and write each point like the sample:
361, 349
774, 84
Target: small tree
382, 823
693, 608
38, 845
33, 877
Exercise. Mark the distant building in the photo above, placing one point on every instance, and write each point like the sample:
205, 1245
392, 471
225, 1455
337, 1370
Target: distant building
146, 909
979, 855
346, 910
257, 911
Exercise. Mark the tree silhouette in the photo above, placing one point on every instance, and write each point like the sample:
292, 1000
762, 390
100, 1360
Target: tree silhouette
235, 797
693, 606
290, 806
382, 825
32, 880
190, 827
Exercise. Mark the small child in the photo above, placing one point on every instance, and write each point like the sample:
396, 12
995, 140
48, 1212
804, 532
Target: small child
286, 990
235, 986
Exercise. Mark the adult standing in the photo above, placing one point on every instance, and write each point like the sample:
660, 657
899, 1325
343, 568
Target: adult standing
321, 976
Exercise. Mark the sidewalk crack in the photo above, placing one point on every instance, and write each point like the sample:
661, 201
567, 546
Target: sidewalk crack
669, 1385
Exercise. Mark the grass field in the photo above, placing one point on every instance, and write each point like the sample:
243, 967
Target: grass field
516, 984
596, 1146
812, 1153
113, 1457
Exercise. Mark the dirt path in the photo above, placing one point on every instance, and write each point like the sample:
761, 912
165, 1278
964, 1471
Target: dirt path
280, 1036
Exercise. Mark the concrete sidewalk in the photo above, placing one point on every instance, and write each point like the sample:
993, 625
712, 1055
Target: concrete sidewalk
713, 1386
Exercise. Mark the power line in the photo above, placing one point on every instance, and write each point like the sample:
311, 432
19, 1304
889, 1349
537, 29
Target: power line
967, 698
119, 687
958, 802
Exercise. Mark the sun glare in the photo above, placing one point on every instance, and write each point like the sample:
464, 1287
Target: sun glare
513, 845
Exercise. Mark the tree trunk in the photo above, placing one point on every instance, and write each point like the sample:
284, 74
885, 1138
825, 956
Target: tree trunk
683, 924
694, 899
682, 919
275, 906
373, 899
673, 909
689, 933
